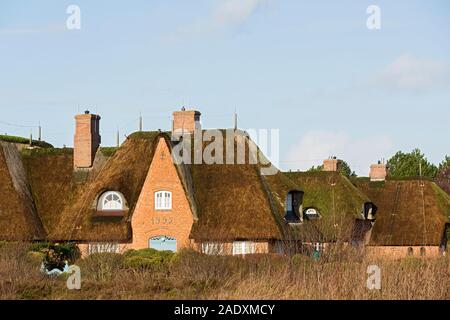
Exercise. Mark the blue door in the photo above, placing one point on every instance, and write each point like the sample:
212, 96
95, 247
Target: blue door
163, 243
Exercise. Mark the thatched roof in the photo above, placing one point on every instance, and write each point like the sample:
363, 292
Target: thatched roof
65, 199
18, 215
125, 172
232, 200
443, 180
410, 212
47, 199
333, 195
228, 201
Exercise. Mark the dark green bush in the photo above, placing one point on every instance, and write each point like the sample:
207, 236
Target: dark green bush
148, 258
56, 255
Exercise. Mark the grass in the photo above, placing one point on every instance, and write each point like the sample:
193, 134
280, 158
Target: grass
21, 140
108, 151
189, 275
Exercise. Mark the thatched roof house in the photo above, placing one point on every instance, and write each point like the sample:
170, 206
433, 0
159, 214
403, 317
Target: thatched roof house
336, 199
410, 212
138, 195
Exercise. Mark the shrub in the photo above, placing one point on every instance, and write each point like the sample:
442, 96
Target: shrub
56, 255
148, 259
102, 266
35, 258
412, 263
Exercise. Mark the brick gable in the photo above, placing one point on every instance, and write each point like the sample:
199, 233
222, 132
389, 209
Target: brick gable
146, 221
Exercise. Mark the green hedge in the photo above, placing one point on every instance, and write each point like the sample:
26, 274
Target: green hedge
31, 153
56, 255
148, 259
35, 143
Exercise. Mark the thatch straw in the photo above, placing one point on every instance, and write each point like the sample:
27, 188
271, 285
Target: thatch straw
410, 212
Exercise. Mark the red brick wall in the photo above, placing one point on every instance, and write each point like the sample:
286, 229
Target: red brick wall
146, 221
87, 139
399, 252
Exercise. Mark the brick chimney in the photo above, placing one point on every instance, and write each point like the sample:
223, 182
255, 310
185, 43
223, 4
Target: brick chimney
378, 172
87, 139
332, 164
185, 121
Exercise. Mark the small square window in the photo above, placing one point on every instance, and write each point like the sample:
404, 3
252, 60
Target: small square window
163, 200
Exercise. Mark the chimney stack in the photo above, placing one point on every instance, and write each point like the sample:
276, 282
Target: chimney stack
185, 121
379, 171
332, 164
87, 139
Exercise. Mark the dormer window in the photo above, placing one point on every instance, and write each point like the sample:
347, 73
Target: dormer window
163, 200
311, 214
111, 203
369, 211
294, 200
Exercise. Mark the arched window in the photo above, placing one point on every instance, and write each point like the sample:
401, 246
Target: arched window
369, 211
423, 252
163, 243
111, 201
163, 200
410, 251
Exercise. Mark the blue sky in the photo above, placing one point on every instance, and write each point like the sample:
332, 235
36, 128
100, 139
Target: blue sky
311, 69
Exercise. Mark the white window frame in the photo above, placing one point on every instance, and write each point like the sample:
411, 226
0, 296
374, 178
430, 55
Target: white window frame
213, 248
103, 200
163, 200
244, 248
103, 247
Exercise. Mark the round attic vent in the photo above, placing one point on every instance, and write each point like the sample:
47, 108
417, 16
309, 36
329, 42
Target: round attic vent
311, 213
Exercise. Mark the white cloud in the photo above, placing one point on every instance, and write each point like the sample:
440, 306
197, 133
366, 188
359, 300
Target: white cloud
315, 146
227, 14
410, 73
234, 12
